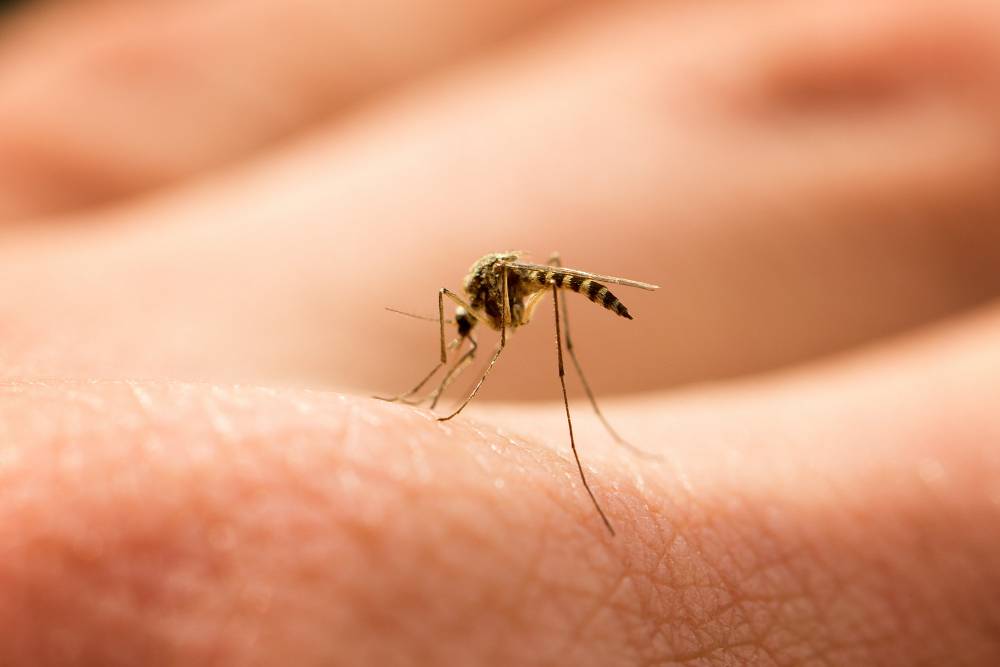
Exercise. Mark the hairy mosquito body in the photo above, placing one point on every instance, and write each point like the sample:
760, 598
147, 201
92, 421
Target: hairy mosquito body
525, 287
503, 292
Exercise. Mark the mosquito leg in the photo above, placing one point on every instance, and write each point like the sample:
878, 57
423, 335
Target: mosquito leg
409, 400
456, 370
452, 373
505, 320
402, 397
442, 293
569, 420
554, 260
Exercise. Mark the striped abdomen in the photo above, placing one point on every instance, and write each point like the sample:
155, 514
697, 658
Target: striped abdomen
591, 289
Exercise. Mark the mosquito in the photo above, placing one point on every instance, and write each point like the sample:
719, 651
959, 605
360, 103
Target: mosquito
503, 292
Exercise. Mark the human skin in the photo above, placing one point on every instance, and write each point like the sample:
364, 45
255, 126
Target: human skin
166, 523
171, 497
217, 80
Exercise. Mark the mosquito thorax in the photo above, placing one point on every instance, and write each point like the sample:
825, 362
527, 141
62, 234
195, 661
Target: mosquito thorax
484, 286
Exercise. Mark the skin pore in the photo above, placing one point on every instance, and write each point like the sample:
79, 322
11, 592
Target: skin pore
190, 469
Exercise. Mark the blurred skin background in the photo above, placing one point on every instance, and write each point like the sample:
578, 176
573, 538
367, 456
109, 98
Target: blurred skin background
206, 206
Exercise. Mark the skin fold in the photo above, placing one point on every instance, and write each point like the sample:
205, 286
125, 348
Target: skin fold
191, 324
268, 290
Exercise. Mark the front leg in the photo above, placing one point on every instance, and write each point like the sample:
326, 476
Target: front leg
504, 321
442, 293
456, 370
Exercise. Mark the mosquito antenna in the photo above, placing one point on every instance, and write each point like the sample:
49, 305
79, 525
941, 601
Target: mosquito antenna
416, 317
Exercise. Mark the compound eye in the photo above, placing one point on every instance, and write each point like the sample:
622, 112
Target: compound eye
463, 321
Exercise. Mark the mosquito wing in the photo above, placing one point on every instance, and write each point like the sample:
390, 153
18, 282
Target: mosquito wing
583, 274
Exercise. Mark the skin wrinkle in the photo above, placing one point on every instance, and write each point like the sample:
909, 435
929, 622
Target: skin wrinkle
776, 591
602, 603
775, 604
673, 583
654, 599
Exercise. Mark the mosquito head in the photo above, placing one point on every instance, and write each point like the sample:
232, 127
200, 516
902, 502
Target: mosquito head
464, 321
